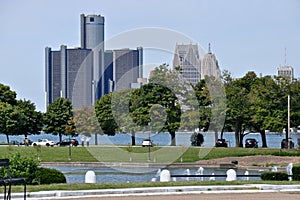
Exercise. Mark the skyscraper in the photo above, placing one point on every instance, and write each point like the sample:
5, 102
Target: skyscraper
286, 71
126, 67
92, 37
210, 66
187, 58
69, 75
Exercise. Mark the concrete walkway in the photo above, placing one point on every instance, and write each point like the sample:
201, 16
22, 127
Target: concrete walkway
165, 191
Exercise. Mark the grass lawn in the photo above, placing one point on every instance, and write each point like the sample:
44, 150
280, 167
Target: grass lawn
138, 153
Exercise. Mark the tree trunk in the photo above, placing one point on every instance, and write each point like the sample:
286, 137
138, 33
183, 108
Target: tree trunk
7, 138
237, 135
241, 138
173, 139
132, 138
263, 138
60, 137
96, 139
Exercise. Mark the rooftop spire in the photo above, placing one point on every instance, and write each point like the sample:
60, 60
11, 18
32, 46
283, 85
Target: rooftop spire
209, 50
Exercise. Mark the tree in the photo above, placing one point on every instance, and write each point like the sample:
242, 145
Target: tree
153, 94
32, 122
7, 95
86, 122
58, 118
105, 116
10, 118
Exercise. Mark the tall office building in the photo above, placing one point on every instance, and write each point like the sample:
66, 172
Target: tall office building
209, 65
127, 67
69, 75
286, 71
187, 58
92, 37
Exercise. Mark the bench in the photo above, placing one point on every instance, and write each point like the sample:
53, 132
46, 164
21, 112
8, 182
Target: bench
8, 181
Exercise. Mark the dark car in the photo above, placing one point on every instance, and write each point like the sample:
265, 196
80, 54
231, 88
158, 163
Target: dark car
284, 144
221, 143
251, 143
68, 142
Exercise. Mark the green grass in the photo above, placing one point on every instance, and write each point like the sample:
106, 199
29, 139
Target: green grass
139, 154
83, 186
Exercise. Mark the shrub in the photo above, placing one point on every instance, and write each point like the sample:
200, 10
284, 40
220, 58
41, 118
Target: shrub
197, 139
48, 176
274, 176
23, 166
296, 173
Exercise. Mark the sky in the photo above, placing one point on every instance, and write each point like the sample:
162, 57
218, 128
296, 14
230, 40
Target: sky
245, 35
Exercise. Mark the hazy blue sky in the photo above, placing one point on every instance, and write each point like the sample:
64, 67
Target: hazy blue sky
245, 34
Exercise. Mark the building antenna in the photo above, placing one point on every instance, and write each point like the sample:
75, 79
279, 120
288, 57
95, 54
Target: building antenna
209, 51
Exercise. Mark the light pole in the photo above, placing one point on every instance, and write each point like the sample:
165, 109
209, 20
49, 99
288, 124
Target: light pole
149, 143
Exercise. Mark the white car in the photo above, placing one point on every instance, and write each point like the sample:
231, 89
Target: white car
147, 143
44, 142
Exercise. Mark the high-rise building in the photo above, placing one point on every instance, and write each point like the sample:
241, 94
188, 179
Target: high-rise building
209, 65
69, 75
286, 71
92, 37
187, 58
86, 73
126, 67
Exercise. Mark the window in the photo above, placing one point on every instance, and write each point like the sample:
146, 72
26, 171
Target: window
92, 19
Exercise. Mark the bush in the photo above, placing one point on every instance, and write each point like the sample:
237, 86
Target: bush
197, 139
23, 167
48, 176
274, 176
296, 173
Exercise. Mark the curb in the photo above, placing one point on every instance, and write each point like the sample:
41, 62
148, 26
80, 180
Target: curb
249, 188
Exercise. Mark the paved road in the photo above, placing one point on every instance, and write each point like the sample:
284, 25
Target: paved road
212, 196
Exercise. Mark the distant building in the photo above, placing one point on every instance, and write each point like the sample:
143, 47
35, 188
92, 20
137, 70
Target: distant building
125, 67
286, 71
86, 73
209, 65
187, 59
69, 75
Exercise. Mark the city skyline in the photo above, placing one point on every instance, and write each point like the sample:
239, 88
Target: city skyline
245, 35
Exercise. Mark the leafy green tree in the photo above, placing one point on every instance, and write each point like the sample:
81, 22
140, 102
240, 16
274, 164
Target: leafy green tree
32, 122
86, 122
103, 110
120, 103
58, 119
238, 105
10, 118
153, 94
7, 95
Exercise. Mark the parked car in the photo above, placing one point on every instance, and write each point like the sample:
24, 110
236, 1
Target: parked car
251, 143
68, 142
221, 143
284, 144
147, 143
44, 142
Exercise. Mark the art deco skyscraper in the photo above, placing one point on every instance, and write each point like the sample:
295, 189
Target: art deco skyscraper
210, 65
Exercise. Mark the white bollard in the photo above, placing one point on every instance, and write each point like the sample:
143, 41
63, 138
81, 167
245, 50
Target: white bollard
246, 174
231, 175
90, 177
165, 176
289, 170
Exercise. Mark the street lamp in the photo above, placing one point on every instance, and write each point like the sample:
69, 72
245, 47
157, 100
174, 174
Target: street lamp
149, 143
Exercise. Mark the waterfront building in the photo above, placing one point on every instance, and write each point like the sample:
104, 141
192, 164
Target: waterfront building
187, 58
286, 71
209, 65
